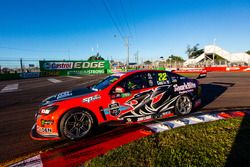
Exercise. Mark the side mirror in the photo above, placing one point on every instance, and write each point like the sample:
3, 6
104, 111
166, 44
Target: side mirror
89, 86
119, 89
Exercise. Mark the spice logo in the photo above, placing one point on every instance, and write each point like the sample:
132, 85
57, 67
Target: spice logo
90, 99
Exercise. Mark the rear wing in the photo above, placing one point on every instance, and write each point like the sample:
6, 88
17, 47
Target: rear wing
191, 72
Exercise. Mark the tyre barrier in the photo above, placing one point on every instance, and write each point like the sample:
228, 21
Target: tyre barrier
87, 149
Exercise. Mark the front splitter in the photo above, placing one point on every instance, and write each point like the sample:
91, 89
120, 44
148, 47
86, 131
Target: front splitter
35, 136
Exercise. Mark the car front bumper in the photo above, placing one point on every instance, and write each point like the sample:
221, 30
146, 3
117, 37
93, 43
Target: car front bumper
36, 136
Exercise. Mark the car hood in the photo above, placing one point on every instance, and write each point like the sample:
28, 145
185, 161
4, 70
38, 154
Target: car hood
66, 95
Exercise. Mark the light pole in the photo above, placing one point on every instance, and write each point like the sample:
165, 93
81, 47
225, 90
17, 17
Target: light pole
170, 62
126, 41
161, 62
214, 49
21, 64
69, 54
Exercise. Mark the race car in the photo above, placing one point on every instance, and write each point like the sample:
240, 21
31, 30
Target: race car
124, 98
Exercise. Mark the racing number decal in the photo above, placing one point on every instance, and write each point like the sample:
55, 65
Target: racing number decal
162, 76
162, 79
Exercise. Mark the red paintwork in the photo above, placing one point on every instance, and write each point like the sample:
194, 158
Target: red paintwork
93, 106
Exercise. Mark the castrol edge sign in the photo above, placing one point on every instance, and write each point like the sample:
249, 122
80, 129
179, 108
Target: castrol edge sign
58, 65
68, 65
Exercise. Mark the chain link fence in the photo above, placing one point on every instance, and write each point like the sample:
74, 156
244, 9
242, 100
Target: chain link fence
18, 65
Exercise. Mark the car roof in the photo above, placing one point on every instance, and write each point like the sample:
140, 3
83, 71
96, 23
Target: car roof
124, 74
136, 71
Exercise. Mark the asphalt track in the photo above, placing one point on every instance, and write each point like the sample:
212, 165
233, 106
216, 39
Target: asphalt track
220, 91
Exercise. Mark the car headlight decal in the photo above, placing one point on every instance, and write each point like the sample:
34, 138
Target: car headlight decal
48, 110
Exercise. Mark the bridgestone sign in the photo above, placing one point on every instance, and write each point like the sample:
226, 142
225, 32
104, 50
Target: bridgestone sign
75, 67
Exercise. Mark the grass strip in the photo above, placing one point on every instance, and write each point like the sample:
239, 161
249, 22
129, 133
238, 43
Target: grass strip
206, 144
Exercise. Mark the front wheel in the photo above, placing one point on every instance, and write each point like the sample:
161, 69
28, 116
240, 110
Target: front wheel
76, 124
183, 105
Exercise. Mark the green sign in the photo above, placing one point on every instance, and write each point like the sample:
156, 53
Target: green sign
74, 67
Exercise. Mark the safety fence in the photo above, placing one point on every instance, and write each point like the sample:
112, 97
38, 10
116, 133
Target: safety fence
189, 71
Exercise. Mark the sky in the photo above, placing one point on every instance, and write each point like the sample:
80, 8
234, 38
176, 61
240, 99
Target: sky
76, 29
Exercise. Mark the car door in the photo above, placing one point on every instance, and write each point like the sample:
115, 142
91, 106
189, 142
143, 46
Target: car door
163, 96
155, 101
133, 89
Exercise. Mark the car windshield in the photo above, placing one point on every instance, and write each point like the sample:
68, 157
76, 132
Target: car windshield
105, 83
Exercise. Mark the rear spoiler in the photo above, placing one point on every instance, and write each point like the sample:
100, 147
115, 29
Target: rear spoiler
191, 72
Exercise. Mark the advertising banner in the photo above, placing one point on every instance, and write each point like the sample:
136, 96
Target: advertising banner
80, 67
30, 75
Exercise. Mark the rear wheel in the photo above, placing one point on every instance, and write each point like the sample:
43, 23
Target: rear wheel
183, 105
76, 124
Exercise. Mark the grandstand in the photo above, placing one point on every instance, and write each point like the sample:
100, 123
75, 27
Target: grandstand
214, 55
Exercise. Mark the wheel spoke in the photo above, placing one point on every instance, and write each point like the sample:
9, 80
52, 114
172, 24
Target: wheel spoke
184, 109
72, 129
83, 128
182, 100
70, 123
75, 118
82, 117
77, 131
185, 99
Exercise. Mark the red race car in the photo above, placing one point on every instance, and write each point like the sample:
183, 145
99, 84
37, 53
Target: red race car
131, 97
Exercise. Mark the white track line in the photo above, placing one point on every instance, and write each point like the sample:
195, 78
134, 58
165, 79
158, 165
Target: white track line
10, 88
75, 77
53, 80
35, 161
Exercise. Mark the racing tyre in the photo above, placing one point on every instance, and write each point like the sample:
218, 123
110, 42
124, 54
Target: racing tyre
76, 124
183, 105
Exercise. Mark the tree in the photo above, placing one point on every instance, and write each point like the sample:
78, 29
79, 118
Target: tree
148, 62
248, 52
175, 58
194, 51
96, 57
